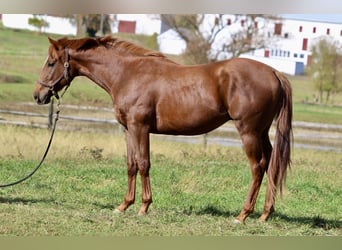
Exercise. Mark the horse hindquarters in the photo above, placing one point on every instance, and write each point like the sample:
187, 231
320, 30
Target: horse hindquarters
253, 129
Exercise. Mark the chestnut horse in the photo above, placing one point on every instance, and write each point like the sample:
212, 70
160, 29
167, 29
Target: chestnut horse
152, 94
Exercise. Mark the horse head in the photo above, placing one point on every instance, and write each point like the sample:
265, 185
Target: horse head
55, 74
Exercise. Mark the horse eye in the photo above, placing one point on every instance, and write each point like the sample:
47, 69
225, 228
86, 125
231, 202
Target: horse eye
52, 63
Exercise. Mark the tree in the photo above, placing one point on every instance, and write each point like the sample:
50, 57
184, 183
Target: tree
216, 37
325, 68
97, 23
91, 24
38, 23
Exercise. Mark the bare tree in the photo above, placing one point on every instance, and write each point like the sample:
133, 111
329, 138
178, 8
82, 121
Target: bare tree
219, 36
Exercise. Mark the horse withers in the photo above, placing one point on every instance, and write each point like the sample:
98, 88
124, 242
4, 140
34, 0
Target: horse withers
152, 94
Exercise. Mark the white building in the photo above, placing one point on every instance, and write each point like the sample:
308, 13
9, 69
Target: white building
294, 38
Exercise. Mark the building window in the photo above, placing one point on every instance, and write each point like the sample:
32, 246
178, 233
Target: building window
314, 30
300, 28
295, 55
305, 44
328, 31
301, 56
229, 21
267, 53
277, 28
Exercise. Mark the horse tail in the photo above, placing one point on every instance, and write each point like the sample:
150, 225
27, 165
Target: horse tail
281, 154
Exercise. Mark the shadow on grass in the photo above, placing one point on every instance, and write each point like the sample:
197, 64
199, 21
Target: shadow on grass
108, 206
209, 210
19, 200
313, 222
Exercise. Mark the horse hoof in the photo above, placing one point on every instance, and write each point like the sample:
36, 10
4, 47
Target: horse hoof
142, 213
117, 211
263, 219
237, 222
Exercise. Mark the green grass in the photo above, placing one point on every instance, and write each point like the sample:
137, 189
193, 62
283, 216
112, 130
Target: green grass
304, 108
317, 113
196, 191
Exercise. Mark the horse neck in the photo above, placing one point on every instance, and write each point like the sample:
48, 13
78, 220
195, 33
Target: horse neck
97, 66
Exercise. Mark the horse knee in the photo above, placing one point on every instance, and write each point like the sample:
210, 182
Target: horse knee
144, 167
131, 169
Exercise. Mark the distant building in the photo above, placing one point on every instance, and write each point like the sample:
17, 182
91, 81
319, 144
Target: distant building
170, 43
144, 24
290, 53
127, 26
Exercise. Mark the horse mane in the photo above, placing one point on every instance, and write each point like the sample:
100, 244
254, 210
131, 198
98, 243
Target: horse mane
110, 42
126, 47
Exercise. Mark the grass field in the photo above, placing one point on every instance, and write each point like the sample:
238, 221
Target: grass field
196, 191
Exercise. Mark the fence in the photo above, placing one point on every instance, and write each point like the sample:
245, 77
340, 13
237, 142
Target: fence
306, 134
50, 117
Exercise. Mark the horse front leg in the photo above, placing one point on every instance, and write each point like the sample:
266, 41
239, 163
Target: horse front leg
138, 158
143, 163
132, 170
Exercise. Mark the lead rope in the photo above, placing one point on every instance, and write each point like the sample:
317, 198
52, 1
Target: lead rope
47, 148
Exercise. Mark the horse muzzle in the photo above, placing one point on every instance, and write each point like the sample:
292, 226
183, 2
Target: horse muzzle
43, 96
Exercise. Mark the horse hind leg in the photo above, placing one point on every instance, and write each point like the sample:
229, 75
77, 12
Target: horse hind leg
258, 156
270, 198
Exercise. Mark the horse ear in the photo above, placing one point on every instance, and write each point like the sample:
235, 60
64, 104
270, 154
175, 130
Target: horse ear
53, 43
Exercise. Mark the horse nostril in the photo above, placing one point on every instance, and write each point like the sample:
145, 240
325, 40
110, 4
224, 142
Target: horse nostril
36, 96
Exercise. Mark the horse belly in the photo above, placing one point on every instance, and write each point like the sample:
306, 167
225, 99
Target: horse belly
191, 122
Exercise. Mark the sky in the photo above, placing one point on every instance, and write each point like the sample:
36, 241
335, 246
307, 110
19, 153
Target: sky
333, 18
